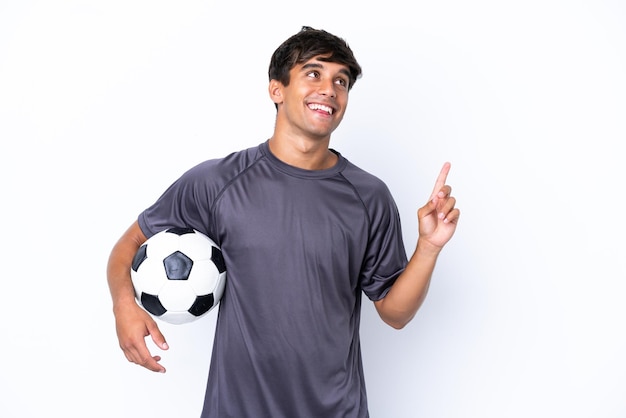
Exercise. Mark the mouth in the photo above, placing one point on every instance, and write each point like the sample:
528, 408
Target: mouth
321, 108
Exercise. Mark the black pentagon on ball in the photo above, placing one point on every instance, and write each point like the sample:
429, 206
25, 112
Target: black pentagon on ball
201, 305
177, 266
152, 304
218, 259
140, 257
181, 231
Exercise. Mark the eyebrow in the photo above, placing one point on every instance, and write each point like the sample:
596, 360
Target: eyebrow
316, 65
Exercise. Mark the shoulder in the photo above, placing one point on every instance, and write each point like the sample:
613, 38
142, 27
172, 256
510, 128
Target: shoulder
366, 184
373, 193
224, 169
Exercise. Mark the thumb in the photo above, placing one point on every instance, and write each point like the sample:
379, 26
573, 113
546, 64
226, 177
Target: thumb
427, 209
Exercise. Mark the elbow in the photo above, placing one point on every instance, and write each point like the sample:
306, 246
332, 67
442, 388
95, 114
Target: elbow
397, 324
396, 319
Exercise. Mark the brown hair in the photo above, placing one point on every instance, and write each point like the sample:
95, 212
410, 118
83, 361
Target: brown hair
307, 44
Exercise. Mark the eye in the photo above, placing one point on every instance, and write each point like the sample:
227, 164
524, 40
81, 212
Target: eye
342, 82
313, 74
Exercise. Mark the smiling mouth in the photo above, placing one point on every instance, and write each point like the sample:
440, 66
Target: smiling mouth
323, 108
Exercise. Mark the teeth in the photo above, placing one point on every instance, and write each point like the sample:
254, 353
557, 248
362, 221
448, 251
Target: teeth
316, 106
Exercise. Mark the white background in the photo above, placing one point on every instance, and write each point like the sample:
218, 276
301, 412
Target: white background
103, 104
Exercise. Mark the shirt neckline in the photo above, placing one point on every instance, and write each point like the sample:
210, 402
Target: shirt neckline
301, 172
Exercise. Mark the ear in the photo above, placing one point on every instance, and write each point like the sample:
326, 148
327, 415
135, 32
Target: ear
276, 91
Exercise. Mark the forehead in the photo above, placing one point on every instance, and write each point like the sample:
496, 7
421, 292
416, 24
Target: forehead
321, 63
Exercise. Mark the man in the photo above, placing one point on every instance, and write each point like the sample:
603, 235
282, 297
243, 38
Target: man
304, 233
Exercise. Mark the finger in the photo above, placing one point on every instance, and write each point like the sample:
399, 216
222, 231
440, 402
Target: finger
446, 207
157, 336
441, 179
152, 363
452, 216
147, 360
444, 192
440, 199
138, 353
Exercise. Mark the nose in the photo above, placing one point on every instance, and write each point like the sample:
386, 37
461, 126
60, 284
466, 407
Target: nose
327, 88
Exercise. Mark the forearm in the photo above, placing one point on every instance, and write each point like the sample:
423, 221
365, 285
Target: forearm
407, 294
118, 267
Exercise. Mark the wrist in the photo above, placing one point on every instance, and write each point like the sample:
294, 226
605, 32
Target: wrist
426, 248
124, 302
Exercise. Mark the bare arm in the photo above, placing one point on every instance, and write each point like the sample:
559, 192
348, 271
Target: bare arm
132, 323
437, 223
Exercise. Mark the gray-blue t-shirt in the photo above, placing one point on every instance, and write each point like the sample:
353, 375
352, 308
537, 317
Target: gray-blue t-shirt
300, 247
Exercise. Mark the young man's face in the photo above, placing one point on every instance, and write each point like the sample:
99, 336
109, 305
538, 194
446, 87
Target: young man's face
314, 102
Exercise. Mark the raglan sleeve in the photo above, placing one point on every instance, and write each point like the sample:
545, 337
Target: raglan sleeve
185, 203
385, 256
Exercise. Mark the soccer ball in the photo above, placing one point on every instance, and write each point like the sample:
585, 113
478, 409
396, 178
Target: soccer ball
178, 275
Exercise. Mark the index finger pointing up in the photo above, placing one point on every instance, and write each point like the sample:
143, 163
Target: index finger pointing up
441, 180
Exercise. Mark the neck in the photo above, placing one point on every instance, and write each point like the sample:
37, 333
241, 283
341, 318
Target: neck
308, 155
